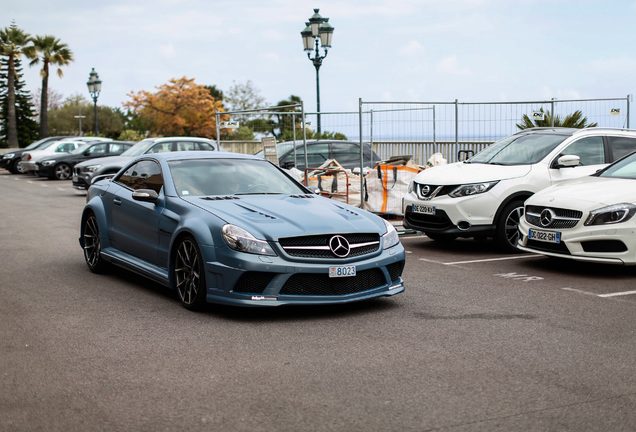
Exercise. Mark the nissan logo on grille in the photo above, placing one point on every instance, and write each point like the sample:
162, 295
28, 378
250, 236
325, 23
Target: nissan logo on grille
425, 190
339, 246
546, 218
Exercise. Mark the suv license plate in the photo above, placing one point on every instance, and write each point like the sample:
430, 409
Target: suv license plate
429, 210
342, 271
544, 236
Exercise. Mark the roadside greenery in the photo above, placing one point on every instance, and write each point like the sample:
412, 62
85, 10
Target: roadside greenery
574, 120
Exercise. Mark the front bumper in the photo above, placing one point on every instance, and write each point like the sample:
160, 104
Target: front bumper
610, 244
276, 281
81, 181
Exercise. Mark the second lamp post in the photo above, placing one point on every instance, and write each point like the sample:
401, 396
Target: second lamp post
94, 87
318, 31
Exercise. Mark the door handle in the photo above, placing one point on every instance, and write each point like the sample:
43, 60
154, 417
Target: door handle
117, 201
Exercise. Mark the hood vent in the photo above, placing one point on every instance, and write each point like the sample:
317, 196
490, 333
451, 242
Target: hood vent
220, 197
303, 196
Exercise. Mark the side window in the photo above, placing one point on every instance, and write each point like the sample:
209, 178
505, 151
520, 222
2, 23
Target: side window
589, 149
117, 148
206, 146
346, 154
142, 175
65, 148
187, 146
99, 149
160, 148
621, 146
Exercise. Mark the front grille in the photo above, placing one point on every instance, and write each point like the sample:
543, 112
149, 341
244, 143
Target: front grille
428, 191
253, 282
319, 284
439, 221
318, 246
562, 218
604, 246
559, 248
395, 270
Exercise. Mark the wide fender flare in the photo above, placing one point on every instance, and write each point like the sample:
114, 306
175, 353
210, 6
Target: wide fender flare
96, 206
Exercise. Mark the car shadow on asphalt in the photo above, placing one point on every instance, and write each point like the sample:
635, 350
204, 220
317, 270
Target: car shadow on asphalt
580, 269
265, 313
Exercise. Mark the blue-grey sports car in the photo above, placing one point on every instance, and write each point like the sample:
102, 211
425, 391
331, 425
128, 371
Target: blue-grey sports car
235, 229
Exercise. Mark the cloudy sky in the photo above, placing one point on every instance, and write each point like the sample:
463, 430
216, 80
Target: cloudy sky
383, 50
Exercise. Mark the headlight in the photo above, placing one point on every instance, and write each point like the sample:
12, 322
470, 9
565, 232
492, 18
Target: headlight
8, 156
48, 162
391, 237
242, 241
91, 168
616, 213
411, 187
472, 189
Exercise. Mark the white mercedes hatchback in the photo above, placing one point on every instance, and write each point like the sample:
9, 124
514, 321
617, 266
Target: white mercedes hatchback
484, 196
587, 219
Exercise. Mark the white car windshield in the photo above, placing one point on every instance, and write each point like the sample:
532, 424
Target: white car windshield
519, 150
197, 177
624, 168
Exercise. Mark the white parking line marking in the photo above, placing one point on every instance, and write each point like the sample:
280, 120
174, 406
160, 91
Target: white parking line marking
578, 291
494, 259
617, 294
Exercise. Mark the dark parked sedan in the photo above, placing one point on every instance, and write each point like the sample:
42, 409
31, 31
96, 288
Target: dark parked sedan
236, 229
346, 153
10, 159
60, 166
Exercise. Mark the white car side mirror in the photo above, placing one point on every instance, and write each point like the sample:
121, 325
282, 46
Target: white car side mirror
568, 161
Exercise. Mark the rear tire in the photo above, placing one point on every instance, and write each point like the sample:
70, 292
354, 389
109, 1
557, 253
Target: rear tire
507, 230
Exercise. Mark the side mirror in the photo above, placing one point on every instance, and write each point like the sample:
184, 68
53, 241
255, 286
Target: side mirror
145, 195
87, 152
568, 161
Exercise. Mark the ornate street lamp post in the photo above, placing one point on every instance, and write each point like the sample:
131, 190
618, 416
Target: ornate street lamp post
94, 87
318, 31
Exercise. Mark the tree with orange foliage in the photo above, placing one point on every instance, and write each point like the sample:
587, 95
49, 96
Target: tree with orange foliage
179, 108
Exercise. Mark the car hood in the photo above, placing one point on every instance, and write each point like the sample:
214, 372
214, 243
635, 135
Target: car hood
274, 216
461, 173
584, 192
108, 160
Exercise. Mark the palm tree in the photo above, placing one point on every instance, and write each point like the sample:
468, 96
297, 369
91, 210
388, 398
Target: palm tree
574, 120
51, 51
13, 43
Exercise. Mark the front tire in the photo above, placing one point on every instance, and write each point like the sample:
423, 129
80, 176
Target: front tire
507, 230
92, 244
189, 274
62, 171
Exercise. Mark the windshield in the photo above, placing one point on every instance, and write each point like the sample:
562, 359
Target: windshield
624, 168
139, 148
196, 177
39, 143
519, 149
80, 149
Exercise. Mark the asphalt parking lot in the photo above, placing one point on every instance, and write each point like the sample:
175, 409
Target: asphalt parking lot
479, 341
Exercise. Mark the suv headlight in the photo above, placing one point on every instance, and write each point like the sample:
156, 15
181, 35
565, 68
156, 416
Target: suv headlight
91, 168
472, 189
616, 213
391, 237
240, 240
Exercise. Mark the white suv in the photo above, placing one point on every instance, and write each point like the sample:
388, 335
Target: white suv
484, 195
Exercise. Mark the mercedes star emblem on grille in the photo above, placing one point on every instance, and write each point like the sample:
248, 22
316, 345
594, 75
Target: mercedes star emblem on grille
339, 246
547, 216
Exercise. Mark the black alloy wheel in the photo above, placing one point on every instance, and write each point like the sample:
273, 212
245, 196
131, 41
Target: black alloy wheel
189, 274
62, 171
92, 245
507, 231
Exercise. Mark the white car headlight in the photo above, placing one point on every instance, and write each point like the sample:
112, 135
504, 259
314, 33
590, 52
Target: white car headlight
616, 213
391, 238
242, 241
472, 189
